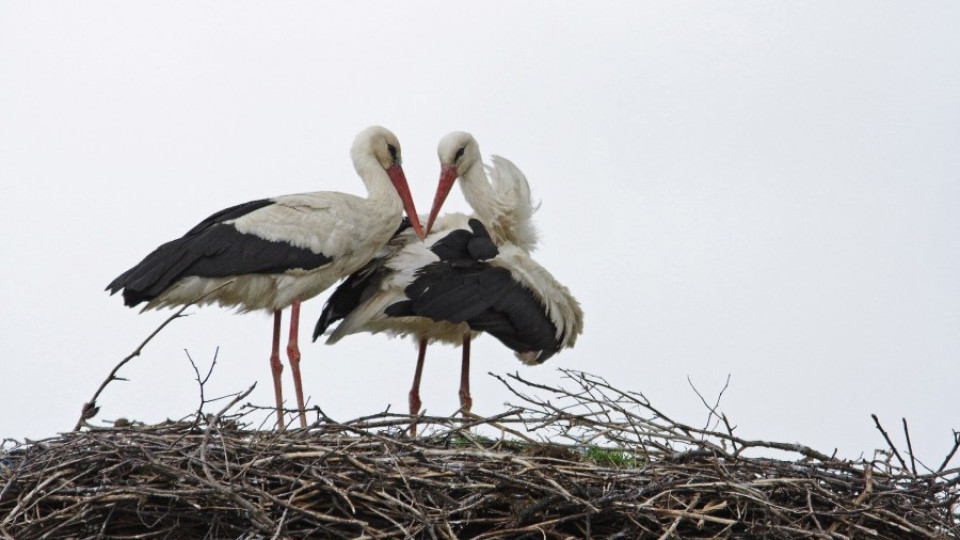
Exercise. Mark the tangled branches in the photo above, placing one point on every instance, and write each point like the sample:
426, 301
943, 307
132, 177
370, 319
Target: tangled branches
623, 470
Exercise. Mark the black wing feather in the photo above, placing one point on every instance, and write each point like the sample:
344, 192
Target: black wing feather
444, 292
462, 287
211, 249
348, 296
519, 320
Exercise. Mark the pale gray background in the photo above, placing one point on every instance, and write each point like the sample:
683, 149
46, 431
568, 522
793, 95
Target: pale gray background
760, 189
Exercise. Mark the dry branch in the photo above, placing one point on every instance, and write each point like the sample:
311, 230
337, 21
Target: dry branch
91, 408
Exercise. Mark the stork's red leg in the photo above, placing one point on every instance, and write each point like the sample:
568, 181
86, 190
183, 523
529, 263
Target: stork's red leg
415, 389
293, 354
465, 401
276, 367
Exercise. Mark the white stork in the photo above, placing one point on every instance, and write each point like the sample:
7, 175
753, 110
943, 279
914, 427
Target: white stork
471, 274
273, 253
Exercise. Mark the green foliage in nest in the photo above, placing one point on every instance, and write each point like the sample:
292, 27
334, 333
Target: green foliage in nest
612, 457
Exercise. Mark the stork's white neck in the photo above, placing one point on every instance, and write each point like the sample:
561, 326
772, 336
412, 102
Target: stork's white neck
478, 192
485, 201
380, 189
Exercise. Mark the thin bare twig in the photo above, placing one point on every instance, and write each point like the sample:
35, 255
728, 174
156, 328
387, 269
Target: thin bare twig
889, 442
950, 454
90, 408
712, 410
906, 434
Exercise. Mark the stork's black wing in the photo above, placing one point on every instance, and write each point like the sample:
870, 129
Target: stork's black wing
213, 248
464, 287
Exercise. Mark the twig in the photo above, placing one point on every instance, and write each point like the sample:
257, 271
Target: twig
906, 434
90, 408
712, 409
956, 445
202, 381
889, 442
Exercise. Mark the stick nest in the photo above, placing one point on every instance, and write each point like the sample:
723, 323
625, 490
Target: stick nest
615, 467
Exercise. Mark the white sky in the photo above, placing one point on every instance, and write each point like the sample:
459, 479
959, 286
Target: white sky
765, 190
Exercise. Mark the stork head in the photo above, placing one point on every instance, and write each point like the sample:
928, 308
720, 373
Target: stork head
459, 153
380, 144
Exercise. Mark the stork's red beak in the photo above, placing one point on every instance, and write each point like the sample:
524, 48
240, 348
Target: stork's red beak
395, 172
448, 175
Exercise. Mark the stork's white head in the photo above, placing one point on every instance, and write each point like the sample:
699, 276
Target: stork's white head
459, 150
459, 153
376, 142
379, 144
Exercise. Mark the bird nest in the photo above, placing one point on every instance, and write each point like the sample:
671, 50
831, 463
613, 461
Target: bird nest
614, 467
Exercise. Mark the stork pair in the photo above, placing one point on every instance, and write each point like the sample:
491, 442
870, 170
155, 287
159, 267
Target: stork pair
463, 275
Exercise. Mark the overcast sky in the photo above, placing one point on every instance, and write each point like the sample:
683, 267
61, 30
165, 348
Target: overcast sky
769, 191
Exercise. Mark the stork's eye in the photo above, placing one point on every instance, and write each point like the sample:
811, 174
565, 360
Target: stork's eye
459, 153
393, 151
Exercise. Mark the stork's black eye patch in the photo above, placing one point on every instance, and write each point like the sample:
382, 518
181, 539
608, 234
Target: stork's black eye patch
459, 154
393, 151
